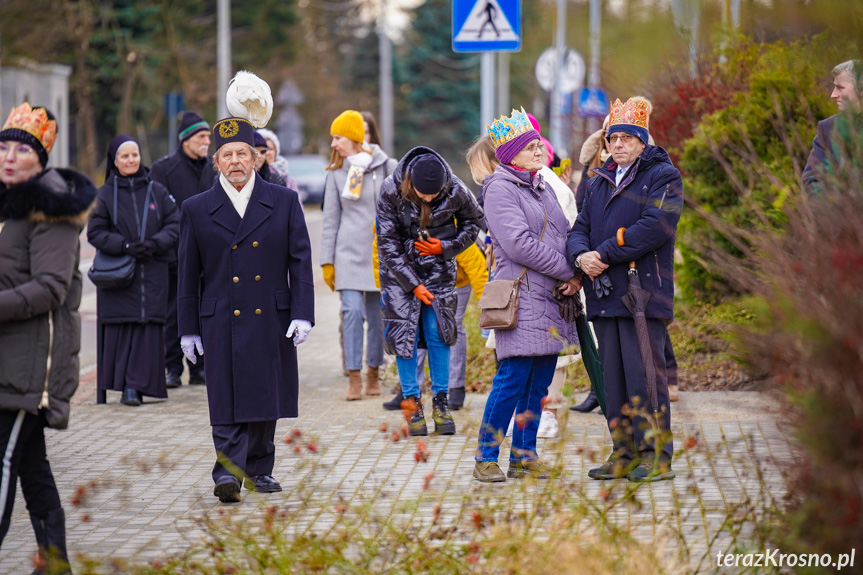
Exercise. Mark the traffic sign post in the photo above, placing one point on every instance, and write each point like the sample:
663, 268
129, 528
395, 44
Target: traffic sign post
592, 103
486, 25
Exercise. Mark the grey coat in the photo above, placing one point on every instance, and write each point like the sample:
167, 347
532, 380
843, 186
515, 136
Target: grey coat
514, 212
40, 291
348, 225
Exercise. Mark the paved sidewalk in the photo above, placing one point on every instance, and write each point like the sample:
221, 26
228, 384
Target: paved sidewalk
145, 471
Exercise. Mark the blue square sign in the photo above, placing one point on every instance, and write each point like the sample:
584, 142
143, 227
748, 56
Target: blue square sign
486, 25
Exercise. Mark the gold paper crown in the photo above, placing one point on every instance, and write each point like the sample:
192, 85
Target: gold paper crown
633, 113
505, 129
34, 122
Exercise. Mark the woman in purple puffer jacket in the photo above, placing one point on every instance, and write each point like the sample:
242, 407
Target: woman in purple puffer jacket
518, 206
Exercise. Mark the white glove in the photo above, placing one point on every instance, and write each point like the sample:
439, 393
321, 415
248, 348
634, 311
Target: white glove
299, 330
189, 343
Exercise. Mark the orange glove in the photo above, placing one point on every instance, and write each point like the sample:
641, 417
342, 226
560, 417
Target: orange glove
330, 276
429, 247
423, 294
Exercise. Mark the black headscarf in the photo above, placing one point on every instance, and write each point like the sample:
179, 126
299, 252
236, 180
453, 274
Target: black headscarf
110, 167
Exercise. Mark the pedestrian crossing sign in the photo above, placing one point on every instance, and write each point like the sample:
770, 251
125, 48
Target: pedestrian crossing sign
486, 25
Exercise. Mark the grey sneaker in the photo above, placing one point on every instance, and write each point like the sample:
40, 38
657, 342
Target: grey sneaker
530, 468
612, 469
488, 472
647, 472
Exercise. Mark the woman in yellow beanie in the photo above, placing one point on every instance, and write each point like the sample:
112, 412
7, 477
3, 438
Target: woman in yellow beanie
355, 174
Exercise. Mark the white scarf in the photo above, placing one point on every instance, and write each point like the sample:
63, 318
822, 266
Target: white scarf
240, 198
354, 182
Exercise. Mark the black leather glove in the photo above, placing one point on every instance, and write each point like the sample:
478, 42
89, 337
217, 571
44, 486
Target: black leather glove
569, 306
602, 286
149, 247
136, 249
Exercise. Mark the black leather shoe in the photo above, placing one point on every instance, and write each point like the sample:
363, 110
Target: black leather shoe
589, 404
227, 489
262, 484
395, 403
131, 397
172, 381
456, 398
197, 379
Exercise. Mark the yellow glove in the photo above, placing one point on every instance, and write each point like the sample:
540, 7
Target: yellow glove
330, 276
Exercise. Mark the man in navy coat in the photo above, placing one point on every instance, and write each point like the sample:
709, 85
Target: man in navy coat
245, 292
638, 189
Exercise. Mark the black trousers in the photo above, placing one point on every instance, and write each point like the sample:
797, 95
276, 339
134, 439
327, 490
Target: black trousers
625, 385
173, 353
244, 448
22, 446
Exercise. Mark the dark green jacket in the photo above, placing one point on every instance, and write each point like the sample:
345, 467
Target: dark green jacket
40, 291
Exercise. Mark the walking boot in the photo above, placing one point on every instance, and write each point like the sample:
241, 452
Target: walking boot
443, 422
395, 403
456, 398
589, 404
355, 385
417, 419
50, 533
373, 386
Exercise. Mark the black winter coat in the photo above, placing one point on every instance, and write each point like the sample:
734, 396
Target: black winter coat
647, 203
146, 300
40, 291
182, 176
402, 268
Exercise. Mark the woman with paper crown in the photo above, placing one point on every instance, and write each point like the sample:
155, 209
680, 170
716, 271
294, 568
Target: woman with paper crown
351, 192
426, 216
42, 212
131, 354
528, 233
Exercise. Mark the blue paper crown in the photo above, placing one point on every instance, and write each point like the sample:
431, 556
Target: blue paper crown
505, 129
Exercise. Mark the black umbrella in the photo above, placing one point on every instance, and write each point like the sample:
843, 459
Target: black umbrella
635, 300
590, 358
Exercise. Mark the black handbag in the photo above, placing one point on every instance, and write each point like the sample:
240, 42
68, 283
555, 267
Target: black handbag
117, 272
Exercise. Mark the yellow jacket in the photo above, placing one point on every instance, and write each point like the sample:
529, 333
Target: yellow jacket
470, 267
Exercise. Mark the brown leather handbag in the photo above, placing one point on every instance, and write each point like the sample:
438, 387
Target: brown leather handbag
499, 302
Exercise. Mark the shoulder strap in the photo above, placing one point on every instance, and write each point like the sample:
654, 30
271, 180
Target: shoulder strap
114, 213
146, 209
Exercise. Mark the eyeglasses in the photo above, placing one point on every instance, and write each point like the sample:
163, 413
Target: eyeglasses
20, 149
624, 138
533, 148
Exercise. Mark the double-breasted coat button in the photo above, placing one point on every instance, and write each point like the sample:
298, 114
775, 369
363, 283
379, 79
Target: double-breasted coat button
236, 280
257, 278
236, 312
254, 244
257, 312
234, 247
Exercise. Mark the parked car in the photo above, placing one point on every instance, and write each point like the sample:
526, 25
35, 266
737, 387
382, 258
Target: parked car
308, 171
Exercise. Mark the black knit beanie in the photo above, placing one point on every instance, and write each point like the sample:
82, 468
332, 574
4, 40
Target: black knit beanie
428, 175
191, 124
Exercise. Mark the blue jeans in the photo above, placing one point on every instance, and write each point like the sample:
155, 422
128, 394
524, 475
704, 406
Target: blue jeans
458, 354
519, 385
438, 356
360, 307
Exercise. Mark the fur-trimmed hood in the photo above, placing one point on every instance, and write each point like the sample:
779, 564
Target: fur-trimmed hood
54, 195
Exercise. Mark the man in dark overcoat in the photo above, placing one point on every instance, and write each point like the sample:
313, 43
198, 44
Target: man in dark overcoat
185, 173
824, 158
245, 291
640, 190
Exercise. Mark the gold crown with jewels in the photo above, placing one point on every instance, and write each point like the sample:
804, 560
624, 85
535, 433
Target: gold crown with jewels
35, 122
505, 129
633, 113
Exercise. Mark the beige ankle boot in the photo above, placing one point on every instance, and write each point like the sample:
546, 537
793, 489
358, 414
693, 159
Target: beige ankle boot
355, 385
373, 386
